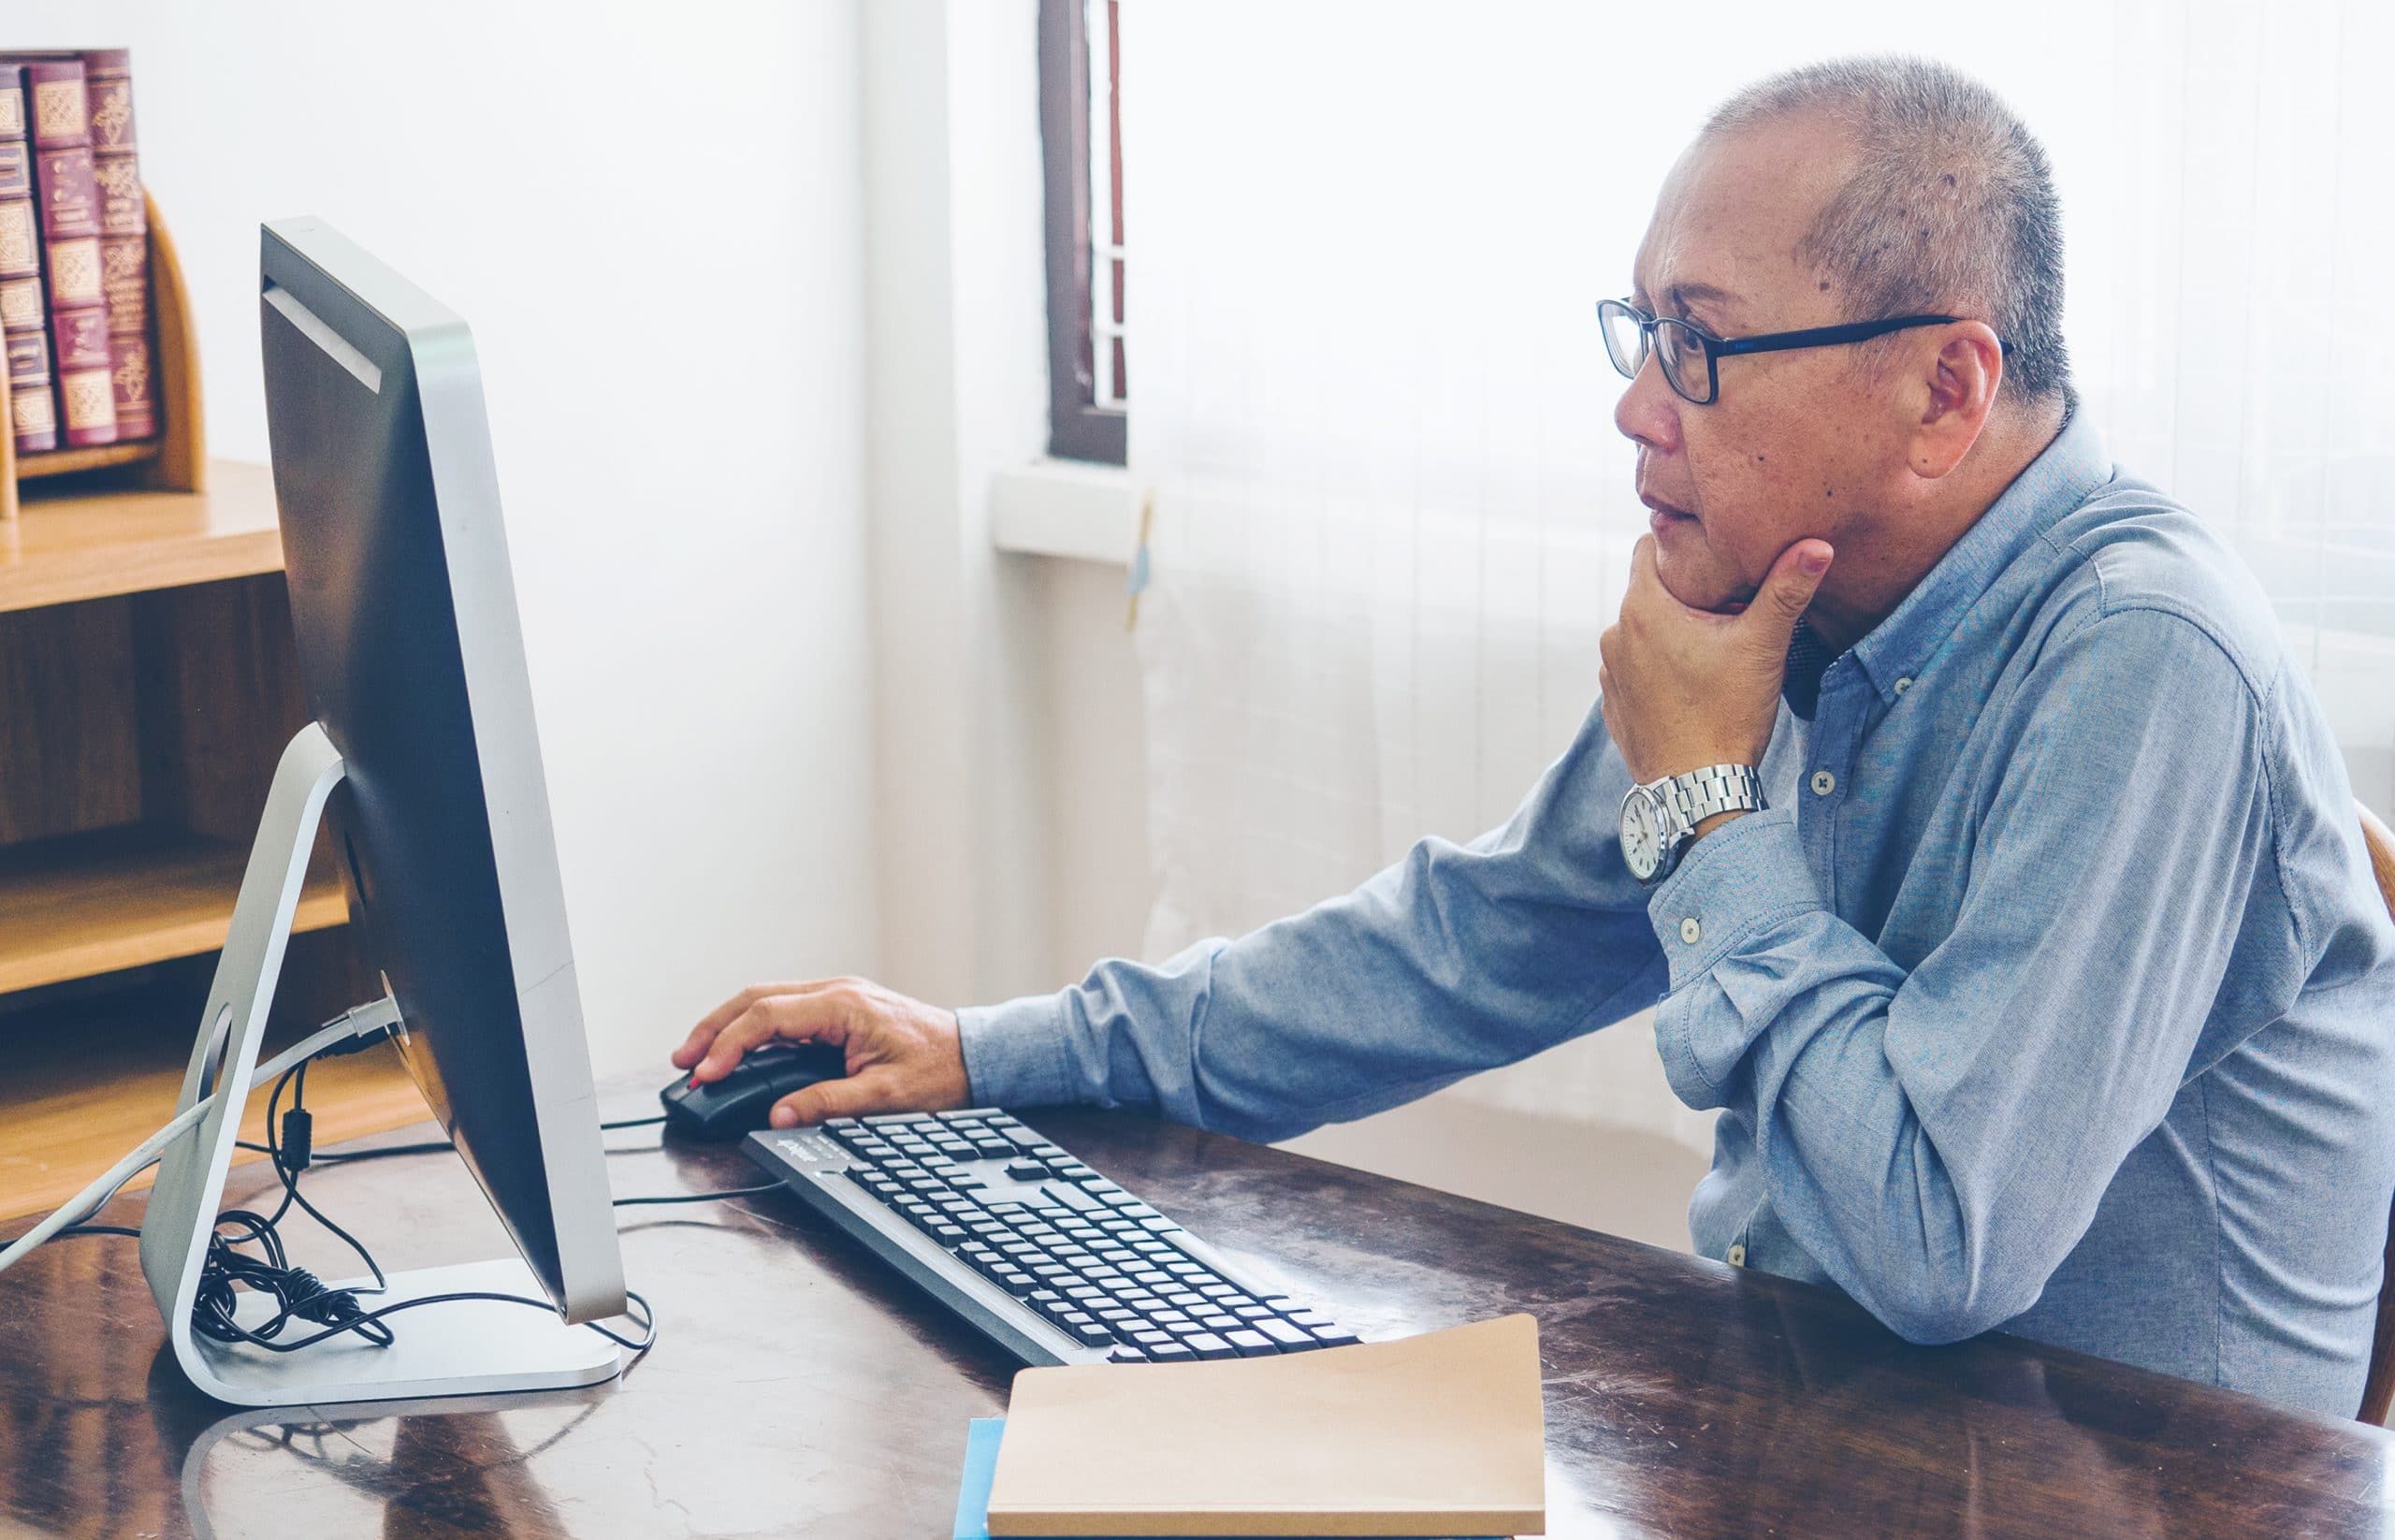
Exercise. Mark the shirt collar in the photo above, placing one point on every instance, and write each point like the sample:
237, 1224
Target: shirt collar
2061, 478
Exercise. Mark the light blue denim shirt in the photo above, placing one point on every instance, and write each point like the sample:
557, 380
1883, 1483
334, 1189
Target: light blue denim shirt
2053, 991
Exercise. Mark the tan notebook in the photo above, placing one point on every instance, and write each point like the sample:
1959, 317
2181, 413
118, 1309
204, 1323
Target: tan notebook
1440, 1434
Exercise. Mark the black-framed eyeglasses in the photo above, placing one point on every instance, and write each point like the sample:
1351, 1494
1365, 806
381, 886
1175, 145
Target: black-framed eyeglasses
1692, 358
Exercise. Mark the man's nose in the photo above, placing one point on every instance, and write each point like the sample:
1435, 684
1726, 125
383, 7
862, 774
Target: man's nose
1649, 413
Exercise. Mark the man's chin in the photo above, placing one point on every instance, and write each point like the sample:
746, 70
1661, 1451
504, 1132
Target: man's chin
1695, 582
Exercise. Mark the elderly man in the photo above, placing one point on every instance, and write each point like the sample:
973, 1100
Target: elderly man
1950, 790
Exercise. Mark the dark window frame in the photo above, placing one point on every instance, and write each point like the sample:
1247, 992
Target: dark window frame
1078, 428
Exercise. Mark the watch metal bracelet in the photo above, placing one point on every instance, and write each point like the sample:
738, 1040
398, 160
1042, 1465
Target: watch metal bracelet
1700, 794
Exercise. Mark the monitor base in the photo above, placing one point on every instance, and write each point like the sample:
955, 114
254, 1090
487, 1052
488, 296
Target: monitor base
463, 1347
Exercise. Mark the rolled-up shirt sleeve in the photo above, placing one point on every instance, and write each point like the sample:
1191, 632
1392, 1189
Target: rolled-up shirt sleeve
1456, 958
1939, 1139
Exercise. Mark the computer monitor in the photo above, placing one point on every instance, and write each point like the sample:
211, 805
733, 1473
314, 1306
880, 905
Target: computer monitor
423, 742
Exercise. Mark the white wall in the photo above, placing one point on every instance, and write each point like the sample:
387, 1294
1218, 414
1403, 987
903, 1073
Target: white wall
956, 329
656, 232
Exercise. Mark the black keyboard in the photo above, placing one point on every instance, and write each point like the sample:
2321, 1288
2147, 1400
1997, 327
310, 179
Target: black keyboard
1034, 1248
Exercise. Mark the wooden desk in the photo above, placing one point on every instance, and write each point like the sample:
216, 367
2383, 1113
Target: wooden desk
799, 1389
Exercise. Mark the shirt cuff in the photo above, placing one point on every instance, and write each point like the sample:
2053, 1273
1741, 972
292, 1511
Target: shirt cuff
1746, 874
1016, 1053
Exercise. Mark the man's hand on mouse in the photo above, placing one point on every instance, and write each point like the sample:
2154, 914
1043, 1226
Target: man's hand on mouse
903, 1055
1685, 687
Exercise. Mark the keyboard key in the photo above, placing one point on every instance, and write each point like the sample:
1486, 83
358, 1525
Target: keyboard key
1287, 1338
1250, 1344
1334, 1336
1092, 1334
1225, 1324
1206, 1345
993, 1149
1127, 1355
1174, 1354
1014, 1280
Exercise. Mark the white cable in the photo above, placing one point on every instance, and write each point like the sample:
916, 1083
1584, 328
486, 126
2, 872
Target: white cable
364, 1021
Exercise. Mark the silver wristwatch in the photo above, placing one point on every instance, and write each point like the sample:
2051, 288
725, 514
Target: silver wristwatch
1660, 818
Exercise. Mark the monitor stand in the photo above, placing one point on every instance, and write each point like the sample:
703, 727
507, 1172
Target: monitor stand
456, 1349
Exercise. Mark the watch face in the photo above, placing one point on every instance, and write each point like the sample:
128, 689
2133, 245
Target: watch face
1641, 841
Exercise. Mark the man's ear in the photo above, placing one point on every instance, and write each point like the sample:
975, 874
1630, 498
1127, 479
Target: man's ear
1959, 382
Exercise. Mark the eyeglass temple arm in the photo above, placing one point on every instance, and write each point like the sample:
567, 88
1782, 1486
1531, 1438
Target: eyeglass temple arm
1851, 331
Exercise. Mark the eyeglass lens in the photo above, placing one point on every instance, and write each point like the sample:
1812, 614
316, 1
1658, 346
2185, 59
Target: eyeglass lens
1681, 353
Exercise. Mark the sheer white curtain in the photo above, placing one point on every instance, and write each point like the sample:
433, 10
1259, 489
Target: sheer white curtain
1393, 514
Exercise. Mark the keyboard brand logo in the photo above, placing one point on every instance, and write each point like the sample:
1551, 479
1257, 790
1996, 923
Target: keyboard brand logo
807, 1144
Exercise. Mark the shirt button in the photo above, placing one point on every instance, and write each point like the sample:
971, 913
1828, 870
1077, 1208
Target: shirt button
1737, 1257
1903, 685
1824, 783
1691, 931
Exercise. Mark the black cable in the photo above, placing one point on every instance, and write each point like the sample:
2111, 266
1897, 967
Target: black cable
289, 1170
700, 1198
342, 1157
87, 1229
646, 1320
439, 1146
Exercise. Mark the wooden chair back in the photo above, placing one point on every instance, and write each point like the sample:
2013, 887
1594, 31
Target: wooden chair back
2379, 1390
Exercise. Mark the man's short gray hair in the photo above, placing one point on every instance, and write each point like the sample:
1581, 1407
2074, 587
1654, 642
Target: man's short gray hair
1950, 209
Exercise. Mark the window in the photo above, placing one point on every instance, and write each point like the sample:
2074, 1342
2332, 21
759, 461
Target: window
1080, 131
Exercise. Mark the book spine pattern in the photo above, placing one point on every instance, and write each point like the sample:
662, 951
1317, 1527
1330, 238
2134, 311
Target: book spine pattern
24, 319
67, 198
125, 241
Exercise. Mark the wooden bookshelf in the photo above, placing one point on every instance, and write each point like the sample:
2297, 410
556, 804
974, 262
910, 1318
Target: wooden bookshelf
69, 546
148, 684
86, 905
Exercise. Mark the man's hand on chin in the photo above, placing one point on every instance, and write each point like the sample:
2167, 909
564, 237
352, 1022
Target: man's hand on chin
1685, 687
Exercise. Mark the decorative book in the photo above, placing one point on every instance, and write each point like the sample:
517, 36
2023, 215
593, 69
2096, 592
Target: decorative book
24, 319
68, 205
124, 239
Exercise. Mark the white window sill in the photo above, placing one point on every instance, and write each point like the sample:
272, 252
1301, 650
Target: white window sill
1065, 508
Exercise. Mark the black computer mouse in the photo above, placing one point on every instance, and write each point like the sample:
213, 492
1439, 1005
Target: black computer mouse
743, 1100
